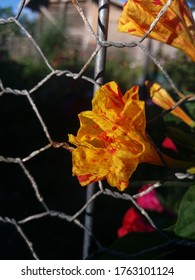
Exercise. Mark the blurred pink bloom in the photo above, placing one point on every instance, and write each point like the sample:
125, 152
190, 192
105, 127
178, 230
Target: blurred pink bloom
150, 200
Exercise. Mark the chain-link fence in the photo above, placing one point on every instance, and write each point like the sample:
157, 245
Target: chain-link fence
45, 213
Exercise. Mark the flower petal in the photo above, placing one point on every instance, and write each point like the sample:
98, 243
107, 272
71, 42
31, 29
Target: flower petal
150, 201
133, 221
122, 167
176, 27
90, 165
133, 113
108, 102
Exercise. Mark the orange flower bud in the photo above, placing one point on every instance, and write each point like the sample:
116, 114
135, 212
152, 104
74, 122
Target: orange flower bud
163, 99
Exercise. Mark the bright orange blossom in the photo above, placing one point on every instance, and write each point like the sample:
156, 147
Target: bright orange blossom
111, 141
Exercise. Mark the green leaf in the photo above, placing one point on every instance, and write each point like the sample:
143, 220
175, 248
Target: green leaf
185, 225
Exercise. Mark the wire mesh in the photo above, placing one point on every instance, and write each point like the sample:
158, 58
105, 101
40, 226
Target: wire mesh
43, 209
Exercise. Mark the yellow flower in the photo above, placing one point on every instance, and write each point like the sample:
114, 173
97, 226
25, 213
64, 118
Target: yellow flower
162, 98
111, 141
176, 27
191, 170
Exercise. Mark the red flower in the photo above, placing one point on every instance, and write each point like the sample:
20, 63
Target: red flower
133, 221
169, 144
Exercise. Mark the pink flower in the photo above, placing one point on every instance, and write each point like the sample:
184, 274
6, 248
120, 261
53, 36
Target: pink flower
150, 200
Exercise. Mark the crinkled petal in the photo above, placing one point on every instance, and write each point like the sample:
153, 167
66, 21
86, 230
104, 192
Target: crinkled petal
90, 165
123, 166
108, 101
95, 131
133, 113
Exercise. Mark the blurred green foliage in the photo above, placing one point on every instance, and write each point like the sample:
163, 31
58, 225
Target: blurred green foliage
182, 71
